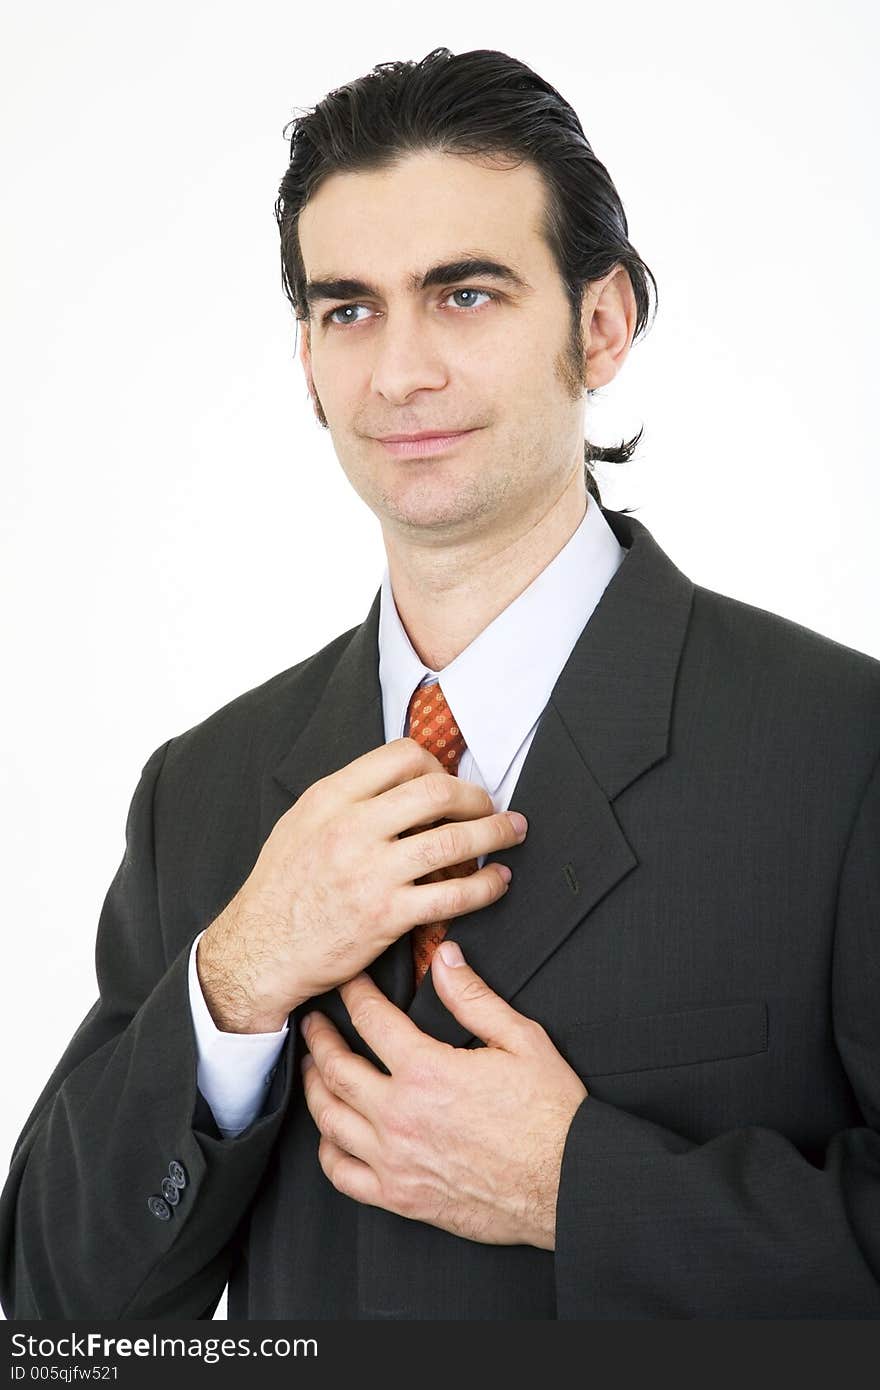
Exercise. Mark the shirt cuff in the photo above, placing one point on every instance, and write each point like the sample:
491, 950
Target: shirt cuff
235, 1070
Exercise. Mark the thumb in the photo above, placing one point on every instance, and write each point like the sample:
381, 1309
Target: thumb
470, 1000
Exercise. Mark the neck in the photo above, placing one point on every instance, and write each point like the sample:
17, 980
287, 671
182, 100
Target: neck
446, 598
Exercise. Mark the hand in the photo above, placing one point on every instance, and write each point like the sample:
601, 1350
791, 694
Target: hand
334, 884
467, 1139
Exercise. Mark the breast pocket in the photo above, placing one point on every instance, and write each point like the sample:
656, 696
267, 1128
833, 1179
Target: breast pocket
645, 1042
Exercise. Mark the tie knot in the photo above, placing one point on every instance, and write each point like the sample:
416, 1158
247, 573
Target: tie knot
434, 726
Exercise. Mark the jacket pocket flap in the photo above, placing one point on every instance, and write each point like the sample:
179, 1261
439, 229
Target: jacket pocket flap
643, 1041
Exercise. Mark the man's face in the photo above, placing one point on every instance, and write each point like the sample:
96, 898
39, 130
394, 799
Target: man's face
476, 352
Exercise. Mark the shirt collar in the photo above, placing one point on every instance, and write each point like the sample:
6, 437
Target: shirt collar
498, 686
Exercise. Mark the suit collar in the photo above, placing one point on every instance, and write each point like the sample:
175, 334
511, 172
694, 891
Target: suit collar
607, 723
615, 693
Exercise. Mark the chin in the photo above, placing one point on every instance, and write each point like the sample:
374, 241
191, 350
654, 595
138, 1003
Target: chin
439, 515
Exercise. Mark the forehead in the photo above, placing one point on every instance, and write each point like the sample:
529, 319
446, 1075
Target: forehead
408, 214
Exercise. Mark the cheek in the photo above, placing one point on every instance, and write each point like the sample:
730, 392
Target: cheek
335, 376
323, 382
524, 368
534, 394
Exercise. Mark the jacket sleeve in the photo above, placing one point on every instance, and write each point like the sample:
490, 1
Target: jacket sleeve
652, 1225
78, 1238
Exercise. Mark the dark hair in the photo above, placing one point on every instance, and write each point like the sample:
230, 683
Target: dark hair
473, 104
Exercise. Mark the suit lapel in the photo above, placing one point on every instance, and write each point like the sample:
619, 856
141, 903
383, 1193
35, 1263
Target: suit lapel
573, 855
606, 723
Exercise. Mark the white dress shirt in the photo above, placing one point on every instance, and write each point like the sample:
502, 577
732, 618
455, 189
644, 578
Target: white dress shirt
522, 652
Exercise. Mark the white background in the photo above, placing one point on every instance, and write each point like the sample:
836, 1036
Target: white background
176, 527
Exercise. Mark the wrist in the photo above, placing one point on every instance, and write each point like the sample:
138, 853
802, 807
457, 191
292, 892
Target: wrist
231, 1004
545, 1198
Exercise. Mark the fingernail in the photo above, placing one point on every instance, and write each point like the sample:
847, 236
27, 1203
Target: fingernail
450, 952
305, 1025
307, 1061
519, 822
505, 873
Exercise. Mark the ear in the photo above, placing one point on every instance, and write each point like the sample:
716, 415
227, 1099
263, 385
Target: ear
608, 321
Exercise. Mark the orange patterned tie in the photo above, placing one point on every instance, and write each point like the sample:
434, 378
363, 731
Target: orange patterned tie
433, 725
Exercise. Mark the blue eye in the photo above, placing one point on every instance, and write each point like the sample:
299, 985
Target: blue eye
343, 309
485, 294
347, 311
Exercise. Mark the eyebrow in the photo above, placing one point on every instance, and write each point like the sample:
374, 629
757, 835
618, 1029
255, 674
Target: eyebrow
465, 268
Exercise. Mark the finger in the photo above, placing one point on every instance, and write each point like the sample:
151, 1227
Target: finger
483, 1012
352, 1078
433, 796
448, 844
380, 769
336, 1120
349, 1175
451, 897
387, 1031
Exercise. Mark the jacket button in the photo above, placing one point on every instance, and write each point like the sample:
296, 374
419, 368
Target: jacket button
177, 1173
159, 1207
171, 1192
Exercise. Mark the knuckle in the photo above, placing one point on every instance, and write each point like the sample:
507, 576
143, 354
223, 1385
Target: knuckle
333, 1073
438, 788
400, 1127
500, 884
453, 901
475, 989
414, 755
398, 1195
324, 1120
331, 1168
379, 913
383, 907
404, 1122
414, 1194
421, 1074
319, 798
364, 1020
334, 834
535, 1031
448, 839
503, 830
310, 794
360, 1019
369, 899
425, 852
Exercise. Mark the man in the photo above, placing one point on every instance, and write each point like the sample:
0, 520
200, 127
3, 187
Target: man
650, 1086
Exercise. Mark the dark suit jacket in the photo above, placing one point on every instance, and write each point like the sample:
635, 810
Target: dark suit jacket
694, 918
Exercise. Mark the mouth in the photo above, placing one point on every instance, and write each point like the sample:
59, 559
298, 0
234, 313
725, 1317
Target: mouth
422, 445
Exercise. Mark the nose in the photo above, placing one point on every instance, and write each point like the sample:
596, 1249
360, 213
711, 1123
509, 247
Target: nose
406, 358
